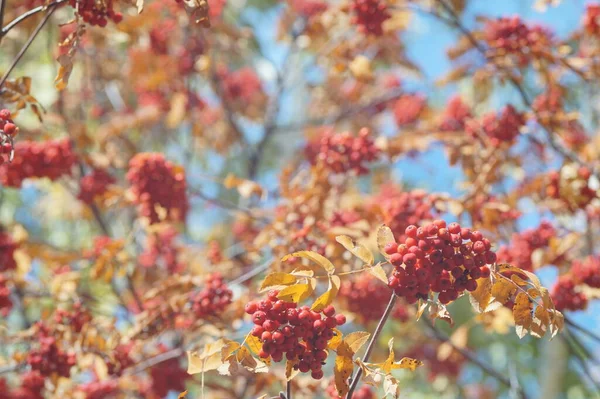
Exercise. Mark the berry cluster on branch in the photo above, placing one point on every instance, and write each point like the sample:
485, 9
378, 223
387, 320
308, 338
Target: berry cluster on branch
298, 333
438, 258
343, 152
49, 357
52, 159
213, 298
157, 183
94, 185
96, 12
520, 250
369, 15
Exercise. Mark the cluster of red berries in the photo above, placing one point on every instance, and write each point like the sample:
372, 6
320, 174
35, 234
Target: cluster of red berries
574, 134
213, 298
8, 246
364, 392
100, 389
511, 36
572, 186
408, 108
455, 115
365, 296
94, 185
8, 130
167, 376
591, 19
161, 249
404, 208
49, 358
566, 296
96, 12
215, 253
502, 128
520, 250
51, 159
241, 85
439, 258
549, 102
156, 182
120, 359
369, 16
5, 301
587, 271
308, 8
32, 387
343, 218
343, 152
299, 334
75, 318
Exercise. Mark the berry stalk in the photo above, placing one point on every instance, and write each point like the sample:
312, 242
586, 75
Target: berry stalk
378, 329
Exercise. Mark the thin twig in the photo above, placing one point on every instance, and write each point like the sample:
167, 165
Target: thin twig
288, 390
582, 329
2, 7
274, 104
455, 21
26, 15
27, 44
471, 357
582, 362
373, 340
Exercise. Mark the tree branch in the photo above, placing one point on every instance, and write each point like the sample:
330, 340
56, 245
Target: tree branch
274, 104
373, 340
471, 357
23, 16
27, 44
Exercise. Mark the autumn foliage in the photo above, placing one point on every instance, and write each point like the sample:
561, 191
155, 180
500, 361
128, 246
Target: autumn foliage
298, 199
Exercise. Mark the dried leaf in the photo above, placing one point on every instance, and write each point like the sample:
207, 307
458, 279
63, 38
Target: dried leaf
277, 280
182, 395
356, 340
384, 237
295, 293
314, 257
358, 250
522, 314
378, 272
327, 298
343, 368
503, 290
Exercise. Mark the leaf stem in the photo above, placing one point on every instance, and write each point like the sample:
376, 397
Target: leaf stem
378, 329
288, 390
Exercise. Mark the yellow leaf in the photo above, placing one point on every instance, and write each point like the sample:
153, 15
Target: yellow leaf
327, 298
361, 68
358, 250
277, 280
178, 110
299, 272
384, 237
314, 257
518, 280
253, 343
343, 369
182, 395
378, 272
336, 340
407, 363
295, 293
422, 306
522, 314
356, 340
503, 290
289, 369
